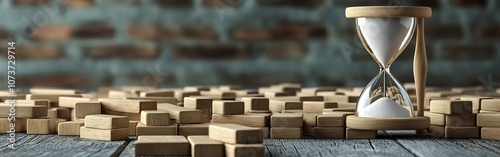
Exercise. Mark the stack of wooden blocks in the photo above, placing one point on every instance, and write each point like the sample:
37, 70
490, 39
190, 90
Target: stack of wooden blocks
105, 127
452, 119
286, 125
489, 119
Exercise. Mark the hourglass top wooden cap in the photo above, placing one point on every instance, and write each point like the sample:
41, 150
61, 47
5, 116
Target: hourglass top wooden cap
388, 11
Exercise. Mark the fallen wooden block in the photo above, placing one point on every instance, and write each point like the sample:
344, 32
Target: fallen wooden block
279, 106
329, 132
219, 95
161, 145
23, 111
240, 150
104, 134
437, 131
251, 120
161, 93
170, 100
193, 129
286, 120
228, 107
180, 95
235, 134
333, 119
103, 121
203, 146
53, 98
317, 107
142, 129
131, 116
198, 102
436, 118
155, 118
38, 90
182, 115
488, 120
286, 132
69, 128
490, 133
18, 125
124, 105
461, 132
255, 103
310, 119
132, 128
84, 108
69, 102
476, 102
451, 107
490, 105
360, 134
461, 120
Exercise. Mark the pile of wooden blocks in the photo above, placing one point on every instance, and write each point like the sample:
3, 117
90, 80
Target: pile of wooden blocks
452, 119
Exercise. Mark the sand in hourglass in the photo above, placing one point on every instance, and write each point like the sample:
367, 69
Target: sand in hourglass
384, 107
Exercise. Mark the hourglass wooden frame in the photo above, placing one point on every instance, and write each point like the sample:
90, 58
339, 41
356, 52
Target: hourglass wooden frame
418, 122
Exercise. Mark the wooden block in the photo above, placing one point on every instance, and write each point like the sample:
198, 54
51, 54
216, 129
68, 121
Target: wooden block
129, 106
117, 94
310, 119
131, 116
18, 125
104, 134
38, 90
228, 107
273, 94
84, 108
255, 103
69, 102
69, 128
196, 88
490, 133
171, 100
290, 88
53, 98
312, 91
279, 106
182, 115
476, 102
437, 131
333, 119
206, 115
193, 129
347, 105
490, 105
142, 129
428, 99
235, 134
360, 134
23, 111
436, 118
202, 146
329, 132
308, 131
132, 128
490, 112
180, 95
103, 121
293, 111
341, 98
317, 107
265, 132
38, 126
252, 120
161, 145
241, 150
451, 107
156, 94
461, 120
63, 113
461, 132
198, 102
155, 118
43, 102
219, 95
286, 132
488, 120
287, 120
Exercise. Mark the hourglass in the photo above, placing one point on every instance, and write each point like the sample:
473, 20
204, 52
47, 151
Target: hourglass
385, 31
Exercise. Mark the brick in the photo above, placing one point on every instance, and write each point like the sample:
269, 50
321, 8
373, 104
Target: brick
262, 79
449, 31
469, 52
223, 3
122, 51
285, 51
31, 2
52, 32
468, 3
143, 32
175, 3
212, 51
487, 31
36, 51
187, 32
4, 34
78, 3
292, 3
57, 80
299, 32
93, 31
252, 34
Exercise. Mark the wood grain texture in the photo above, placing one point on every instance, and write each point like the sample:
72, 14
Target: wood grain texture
198, 102
155, 118
488, 120
69, 128
252, 120
84, 108
129, 106
255, 103
104, 134
317, 107
458, 107
19, 125
287, 120
286, 132
182, 115
490, 105
235, 134
24, 111
411, 123
388, 11
228, 107
103, 121
142, 129
161, 145
436, 118
461, 132
69, 102
203, 146
490, 133
243, 150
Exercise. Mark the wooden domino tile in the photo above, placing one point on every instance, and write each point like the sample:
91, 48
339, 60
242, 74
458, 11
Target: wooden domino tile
203, 146
360, 134
329, 132
124, 105
161, 93
461, 132
155, 118
69, 102
103, 121
488, 120
193, 129
451, 107
182, 115
287, 120
278, 106
198, 102
235, 134
255, 103
240, 150
228, 107
490, 105
84, 108
318, 107
162, 145
19, 125
69, 128
286, 132
490, 133
170, 100
24, 111
142, 129
252, 120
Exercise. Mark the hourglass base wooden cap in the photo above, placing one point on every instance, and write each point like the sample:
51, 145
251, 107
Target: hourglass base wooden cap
388, 11
368, 123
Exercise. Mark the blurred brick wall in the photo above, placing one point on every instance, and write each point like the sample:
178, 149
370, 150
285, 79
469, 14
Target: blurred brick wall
90, 43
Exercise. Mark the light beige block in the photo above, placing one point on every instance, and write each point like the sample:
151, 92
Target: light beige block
163, 93
203, 146
180, 95
360, 134
103, 121
24, 111
196, 88
279, 106
104, 134
243, 150
69, 128
461, 132
255, 103
329, 132
17, 125
310, 119
155, 118
43, 102
53, 98
161, 146
219, 95
198, 102
182, 115
490, 105
39, 90
69, 102
124, 105
488, 120
228, 107
490, 133
286, 132
286, 120
436, 118
84, 108
235, 134
317, 107
252, 120
193, 129
451, 107
39, 126
142, 129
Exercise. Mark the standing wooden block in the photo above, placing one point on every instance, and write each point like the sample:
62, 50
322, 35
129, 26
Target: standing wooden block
19, 125
329, 132
235, 134
244, 150
69, 128
69, 102
490, 105
180, 95
360, 134
129, 106
104, 134
219, 95
103, 121
84, 108
24, 111
171, 100
155, 118
317, 107
255, 103
38, 126
161, 145
310, 119
476, 102
193, 129
436, 118
279, 106
131, 116
451, 107
142, 129
132, 128
333, 119
228, 107
252, 120
437, 131
461, 120
286, 120
286, 132
490, 133
198, 102
156, 94
182, 115
202, 146
488, 120
461, 132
